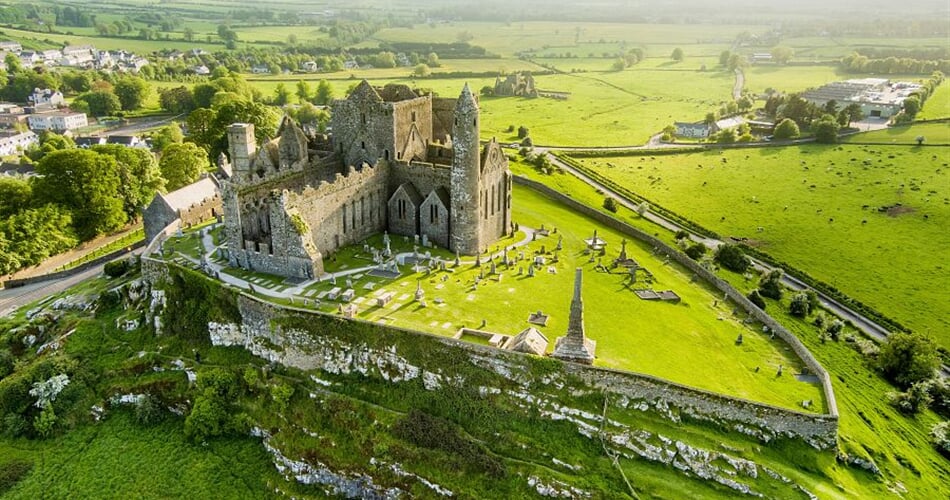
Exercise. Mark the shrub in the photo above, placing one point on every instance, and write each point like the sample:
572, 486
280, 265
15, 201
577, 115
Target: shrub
940, 436
523, 132
44, 423
427, 431
682, 233
731, 257
787, 129
281, 394
908, 358
834, 329
219, 381
12, 472
208, 418
527, 142
757, 299
914, 401
117, 268
610, 204
770, 285
149, 410
14, 425
696, 251
799, 305
939, 389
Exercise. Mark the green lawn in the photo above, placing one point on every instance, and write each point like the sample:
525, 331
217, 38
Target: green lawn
808, 202
933, 133
938, 105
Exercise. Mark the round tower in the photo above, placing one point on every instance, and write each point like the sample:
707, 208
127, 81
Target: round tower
465, 195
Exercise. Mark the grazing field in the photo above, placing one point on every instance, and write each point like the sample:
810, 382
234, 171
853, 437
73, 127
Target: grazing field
509, 39
936, 133
938, 105
824, 210
35, 40
834, 48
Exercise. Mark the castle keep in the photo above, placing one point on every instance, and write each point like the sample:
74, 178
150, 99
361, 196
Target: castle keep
395, 160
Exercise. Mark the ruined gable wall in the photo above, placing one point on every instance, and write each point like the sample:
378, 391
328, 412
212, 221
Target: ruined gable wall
403, 112
363, 131
494, 196
443, 117
424, 176
344, 211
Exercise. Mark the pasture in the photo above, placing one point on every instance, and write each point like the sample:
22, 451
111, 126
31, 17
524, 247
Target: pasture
831, 211
935, 133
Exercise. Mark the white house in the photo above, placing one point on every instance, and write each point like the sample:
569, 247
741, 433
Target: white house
58, 121
48, 97
12, 142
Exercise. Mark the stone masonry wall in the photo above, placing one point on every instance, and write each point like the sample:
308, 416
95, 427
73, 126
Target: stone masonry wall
314, 349
803, 353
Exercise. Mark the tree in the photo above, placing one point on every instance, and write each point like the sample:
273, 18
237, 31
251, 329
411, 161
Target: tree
182, 164
49, 142
281, 95
731, 257
677, 54
177, 100
202, 94
101, 102
421, 70
782, 54
12, 62
850, 113
139, 177
610, 204
304, 92
770, 284
201, 131
756, 299
737, 61
308, 113
15, 195
696, 251
908, 358
169, 134
726, 136
786, 129
487, 91
132, 92
523, 132
826, 129
189, 34
432, 60
912, 106
324, 93
799, 305
86, 183
724, 57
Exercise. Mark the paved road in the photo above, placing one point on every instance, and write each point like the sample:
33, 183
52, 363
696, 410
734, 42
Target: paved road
866, 325
13, 298
739, 85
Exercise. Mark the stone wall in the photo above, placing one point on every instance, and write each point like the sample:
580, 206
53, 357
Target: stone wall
759, 315
327, 343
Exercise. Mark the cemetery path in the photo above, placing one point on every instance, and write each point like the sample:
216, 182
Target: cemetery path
210, 248
863, 323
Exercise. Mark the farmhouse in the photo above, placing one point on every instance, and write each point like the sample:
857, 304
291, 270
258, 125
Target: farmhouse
692, 130
398, 161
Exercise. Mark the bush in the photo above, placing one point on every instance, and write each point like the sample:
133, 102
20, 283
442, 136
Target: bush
786, 129
939, 389
682, 233
757, 299
527, 142
770, 285
834, 329
208, 418
610, 204
14, 425
427, 431
908, 358
12, 472
731, 257
149, 410
117, 268
914, 401
696, 251
220, 382
940, 436
799, 305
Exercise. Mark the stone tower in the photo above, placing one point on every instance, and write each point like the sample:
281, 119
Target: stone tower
575, 346
242, 146
465, 176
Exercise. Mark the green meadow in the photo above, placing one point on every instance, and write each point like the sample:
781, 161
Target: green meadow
823, 209
935, 133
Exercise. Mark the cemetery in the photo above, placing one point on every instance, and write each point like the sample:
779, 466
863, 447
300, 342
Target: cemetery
526, 281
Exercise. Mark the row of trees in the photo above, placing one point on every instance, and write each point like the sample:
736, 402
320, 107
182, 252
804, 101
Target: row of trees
858, 63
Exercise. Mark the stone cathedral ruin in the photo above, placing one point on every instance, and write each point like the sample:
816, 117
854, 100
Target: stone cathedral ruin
394, 161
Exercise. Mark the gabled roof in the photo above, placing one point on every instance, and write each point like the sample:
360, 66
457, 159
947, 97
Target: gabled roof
530, 340
365, 92
410, 192
192, 194
441, 194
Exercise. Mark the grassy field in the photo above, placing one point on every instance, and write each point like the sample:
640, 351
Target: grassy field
938, 105
693, 342
828, 48
806, 205
118, 458
934, 134
506, 39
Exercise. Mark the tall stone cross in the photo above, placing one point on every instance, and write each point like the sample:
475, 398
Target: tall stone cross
575, 346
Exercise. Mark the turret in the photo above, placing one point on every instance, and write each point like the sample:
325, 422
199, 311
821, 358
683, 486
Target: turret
242, 147
465, 193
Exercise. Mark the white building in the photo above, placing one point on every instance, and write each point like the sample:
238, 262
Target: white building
16, 142
52, 98
58, 121
10, 46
